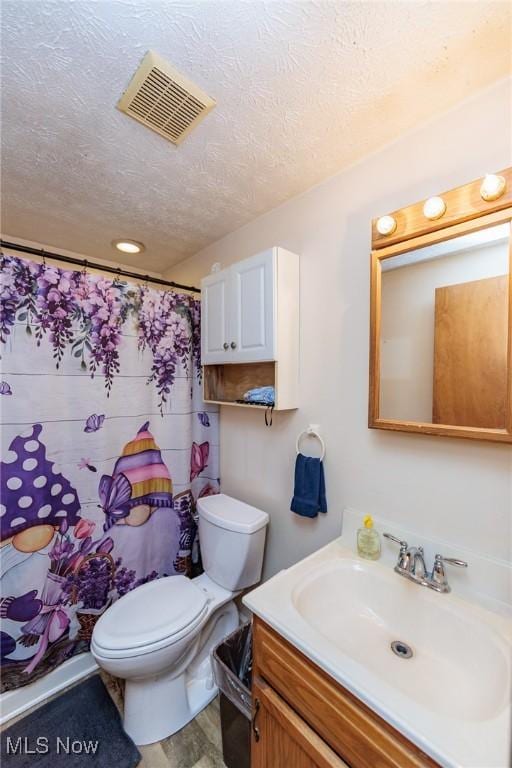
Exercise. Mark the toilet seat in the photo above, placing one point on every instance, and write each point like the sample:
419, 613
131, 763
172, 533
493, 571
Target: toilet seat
154, 615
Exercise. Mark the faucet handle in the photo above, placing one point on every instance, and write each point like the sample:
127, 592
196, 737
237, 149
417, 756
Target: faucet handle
451, 561
405, 561
403, 544
438, 578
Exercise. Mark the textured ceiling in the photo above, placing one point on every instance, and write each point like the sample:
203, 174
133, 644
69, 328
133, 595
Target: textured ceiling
303, 89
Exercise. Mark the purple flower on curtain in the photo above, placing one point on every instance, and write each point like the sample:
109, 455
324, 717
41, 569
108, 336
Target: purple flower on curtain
101, 303
17, 293
166, 327
91, 584
124, 578
86, 313
55, 307
9, 302
10, 299
195, 322
149, 577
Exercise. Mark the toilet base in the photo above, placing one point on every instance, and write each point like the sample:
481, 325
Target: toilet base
158, 706
156, 709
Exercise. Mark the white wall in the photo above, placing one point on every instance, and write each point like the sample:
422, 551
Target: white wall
408, 323
453, 490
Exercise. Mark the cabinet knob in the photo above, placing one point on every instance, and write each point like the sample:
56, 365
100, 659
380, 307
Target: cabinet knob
233, 345
225, 345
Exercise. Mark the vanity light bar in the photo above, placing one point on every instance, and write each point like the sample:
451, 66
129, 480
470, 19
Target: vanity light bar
456, 205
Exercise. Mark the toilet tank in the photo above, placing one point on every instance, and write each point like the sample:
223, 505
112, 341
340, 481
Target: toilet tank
232, 540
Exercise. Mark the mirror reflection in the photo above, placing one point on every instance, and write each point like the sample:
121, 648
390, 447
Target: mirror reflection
444, 332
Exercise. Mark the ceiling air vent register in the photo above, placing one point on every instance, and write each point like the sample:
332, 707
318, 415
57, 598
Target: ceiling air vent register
164, 100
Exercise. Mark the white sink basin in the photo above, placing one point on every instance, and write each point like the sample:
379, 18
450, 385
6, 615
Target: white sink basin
459, 668
452, 697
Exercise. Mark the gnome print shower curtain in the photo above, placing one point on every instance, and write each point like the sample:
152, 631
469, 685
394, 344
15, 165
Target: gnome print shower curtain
105, 447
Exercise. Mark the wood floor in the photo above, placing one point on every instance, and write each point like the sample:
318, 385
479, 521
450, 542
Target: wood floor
198, 745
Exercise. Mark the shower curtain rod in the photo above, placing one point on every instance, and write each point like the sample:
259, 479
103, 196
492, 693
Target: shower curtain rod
84, 263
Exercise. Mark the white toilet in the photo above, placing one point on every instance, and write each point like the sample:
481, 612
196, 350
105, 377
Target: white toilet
159, 636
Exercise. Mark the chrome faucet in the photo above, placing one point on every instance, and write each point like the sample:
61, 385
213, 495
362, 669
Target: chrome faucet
411, 565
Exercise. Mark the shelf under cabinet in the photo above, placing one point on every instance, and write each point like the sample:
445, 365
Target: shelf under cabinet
225, 383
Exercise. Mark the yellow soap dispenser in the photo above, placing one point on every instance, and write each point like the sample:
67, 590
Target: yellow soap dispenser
368, 540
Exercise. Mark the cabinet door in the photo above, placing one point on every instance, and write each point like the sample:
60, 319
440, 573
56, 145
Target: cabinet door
470, 354
282, 739
252, 325
215, 299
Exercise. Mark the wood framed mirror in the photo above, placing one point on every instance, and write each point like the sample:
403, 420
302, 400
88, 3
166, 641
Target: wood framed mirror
441, 316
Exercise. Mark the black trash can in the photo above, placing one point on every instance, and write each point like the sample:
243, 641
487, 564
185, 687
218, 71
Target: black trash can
232, 666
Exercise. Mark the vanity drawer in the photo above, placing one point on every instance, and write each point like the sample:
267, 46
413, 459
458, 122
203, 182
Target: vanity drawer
353, 731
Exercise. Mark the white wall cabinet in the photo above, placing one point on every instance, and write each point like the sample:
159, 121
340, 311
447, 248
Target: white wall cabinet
253, 311
239, 311
215, 326
250, 322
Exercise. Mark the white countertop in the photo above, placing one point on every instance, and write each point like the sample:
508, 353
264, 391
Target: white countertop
454, 739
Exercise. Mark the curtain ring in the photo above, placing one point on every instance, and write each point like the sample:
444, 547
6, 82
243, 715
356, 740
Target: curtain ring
146, 281
43, 257
84, 270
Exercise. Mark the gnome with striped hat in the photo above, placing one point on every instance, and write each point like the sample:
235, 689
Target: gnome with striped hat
140, 483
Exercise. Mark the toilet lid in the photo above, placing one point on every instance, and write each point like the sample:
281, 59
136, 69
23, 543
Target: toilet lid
150, 613
231, 514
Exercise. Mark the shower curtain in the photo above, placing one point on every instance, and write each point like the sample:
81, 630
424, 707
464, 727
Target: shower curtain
105, 447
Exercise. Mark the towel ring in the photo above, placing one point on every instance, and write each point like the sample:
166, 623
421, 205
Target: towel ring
312, 432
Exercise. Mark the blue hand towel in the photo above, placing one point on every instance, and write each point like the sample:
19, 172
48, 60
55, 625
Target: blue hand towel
309, 492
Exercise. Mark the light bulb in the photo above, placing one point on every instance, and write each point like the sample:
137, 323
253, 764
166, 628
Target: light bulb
386, 225
434, 208
493, 187
128, 246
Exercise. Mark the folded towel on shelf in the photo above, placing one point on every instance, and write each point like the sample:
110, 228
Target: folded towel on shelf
261, 395
309, 493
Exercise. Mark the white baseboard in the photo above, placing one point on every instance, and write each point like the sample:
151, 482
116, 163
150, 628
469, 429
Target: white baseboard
14, 703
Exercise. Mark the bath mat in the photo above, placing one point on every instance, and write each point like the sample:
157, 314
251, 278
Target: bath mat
79, 729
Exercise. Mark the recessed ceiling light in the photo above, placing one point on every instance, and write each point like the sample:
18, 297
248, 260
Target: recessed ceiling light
128, 246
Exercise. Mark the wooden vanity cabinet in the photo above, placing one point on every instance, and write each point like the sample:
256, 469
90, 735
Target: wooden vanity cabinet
282, 739
302, 718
